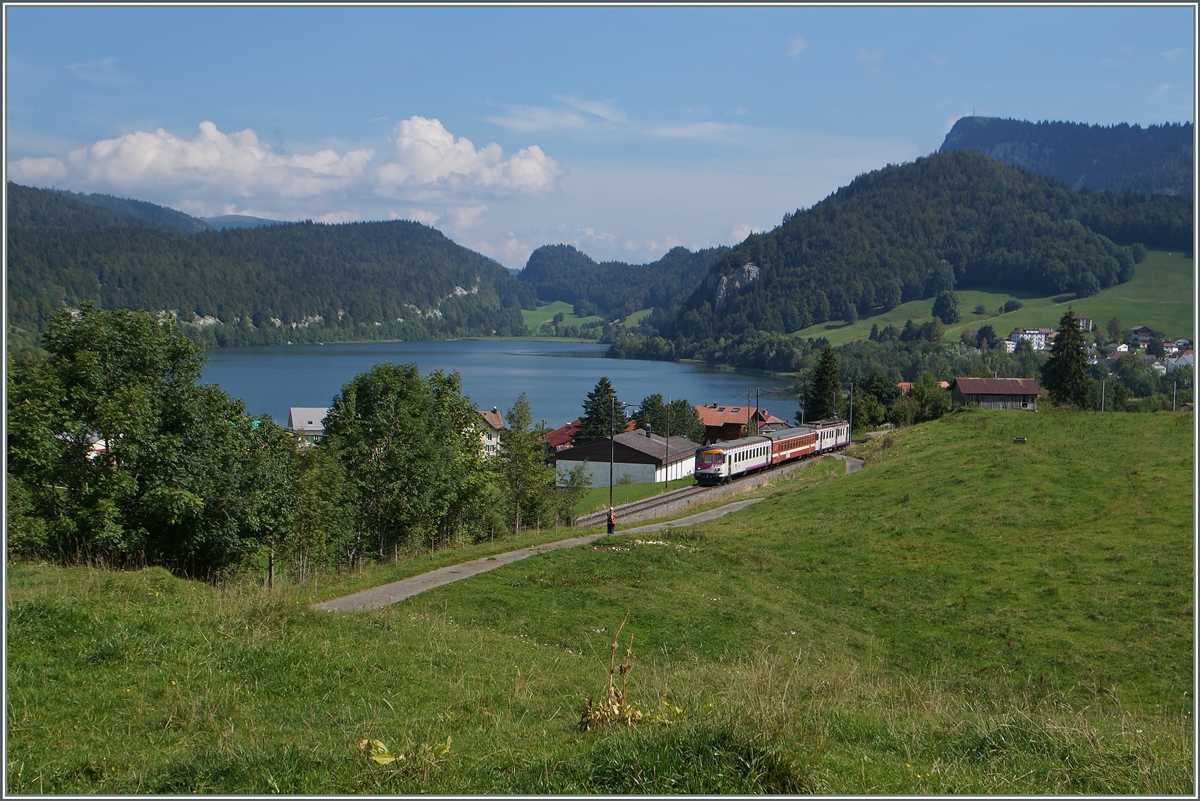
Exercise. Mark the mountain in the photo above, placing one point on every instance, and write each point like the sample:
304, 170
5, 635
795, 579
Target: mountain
952, 219
1118, 158
277, 283
29, 206
560, 272
238, 221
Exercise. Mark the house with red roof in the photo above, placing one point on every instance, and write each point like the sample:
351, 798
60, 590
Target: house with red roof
723, 423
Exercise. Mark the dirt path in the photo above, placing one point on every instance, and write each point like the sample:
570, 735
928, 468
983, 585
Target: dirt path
406, 588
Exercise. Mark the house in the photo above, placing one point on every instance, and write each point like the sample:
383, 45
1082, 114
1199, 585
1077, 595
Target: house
1141, 334
493, 424
996, 393
1035, 336
638, 457
729, 422
307, 423
905, 386
1085, 323
1185, 359
563, 437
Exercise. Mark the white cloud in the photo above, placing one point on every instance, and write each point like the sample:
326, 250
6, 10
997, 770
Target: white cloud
604, 109
538, 118
429, 157
465, 217
333, 217
236, 163
740, 232
948, 123
101, 71
419, 215
709, 131
36, 170
863, 54
1174, 52
796, 46
631, 245
1162, 90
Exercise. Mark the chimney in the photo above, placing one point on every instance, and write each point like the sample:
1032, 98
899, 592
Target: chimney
647, 429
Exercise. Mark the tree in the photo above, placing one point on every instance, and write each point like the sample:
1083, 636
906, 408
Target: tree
1064, 375
986, 338
526, 481
1115, 329
824, 389
119, 455
411, 454
945, 307
601, 406
932, 398
684, 422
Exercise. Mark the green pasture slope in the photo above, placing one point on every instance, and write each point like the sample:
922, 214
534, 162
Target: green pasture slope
964, 615
1159, 295
544, 314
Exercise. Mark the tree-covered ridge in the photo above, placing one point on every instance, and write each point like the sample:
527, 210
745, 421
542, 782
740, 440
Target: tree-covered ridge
255, 285
60, 208
1118, 158
560, 272
910, 231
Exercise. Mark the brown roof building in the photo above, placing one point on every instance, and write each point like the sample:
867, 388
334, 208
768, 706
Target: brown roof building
638, 456
723, 423
996, 393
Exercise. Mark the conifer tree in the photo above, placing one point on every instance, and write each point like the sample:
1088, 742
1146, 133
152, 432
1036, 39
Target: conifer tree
600, 404
824, 391
1064, 375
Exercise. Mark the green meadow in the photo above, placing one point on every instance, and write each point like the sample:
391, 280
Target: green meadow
544, 314
1159, 296
964, 615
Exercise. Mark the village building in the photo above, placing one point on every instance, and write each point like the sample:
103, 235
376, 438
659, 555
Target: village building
1086, 325
724, 423
493, 424
1185, 359
996, 393
307, 423
1141, 334
638, 457
1035, 336
905, 386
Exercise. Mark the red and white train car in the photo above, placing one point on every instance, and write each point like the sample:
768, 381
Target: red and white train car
723, 461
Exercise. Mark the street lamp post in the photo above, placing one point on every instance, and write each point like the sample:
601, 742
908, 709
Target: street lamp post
612, 447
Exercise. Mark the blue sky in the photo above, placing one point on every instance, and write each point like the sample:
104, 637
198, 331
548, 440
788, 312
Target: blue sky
623, 131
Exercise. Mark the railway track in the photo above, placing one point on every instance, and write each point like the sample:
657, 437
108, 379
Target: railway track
637, 507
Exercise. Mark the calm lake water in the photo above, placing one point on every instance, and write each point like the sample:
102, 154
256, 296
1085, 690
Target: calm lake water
555, 376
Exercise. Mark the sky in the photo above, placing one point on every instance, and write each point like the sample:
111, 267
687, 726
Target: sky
624, 131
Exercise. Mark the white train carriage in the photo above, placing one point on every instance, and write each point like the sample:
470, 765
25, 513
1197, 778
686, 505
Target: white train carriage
720, 462
832, 435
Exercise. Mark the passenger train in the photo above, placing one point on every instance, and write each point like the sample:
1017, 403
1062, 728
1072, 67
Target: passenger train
723, 461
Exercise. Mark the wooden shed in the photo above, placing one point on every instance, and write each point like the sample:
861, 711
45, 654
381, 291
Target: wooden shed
996, 393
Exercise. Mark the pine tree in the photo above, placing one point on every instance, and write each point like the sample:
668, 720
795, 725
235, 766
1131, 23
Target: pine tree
601, 403
1064, 375
824, 391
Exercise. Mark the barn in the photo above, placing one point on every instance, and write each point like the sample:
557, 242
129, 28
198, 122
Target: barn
996, 393
639, 457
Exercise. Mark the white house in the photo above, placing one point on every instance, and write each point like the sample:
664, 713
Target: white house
307, 422
493, 424
1035, 336
639, 457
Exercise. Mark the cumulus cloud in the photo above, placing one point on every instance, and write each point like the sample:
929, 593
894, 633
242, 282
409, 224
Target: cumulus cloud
741, 231
333, 217
418, 215
796, 46
427, 156
237, 163
36, 170
465, 217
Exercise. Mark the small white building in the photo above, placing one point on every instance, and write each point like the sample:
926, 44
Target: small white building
638, 457
493, 424
1035, 336
307, 422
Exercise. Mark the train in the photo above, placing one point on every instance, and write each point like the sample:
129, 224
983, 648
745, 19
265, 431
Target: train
724, 461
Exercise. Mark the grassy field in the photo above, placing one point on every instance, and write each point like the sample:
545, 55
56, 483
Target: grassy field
965, 615
597, 497
544, 314
1159, 295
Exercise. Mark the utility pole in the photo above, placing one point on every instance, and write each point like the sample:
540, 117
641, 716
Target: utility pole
612, 517
667, 454
757, 407
803, 400
851, 411
746, 431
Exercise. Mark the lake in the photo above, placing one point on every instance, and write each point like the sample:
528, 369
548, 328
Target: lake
555, 376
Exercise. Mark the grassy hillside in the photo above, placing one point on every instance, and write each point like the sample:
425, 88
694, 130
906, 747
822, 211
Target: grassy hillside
544, 314
965, 615
1159, 295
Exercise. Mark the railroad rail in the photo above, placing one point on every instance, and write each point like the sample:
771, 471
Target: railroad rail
637, 507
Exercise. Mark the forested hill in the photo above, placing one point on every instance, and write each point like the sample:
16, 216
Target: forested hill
64, 209
906, 232
287, 282
1119, 158
560, 272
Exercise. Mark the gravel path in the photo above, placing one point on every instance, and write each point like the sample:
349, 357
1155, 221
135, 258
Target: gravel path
406, 588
